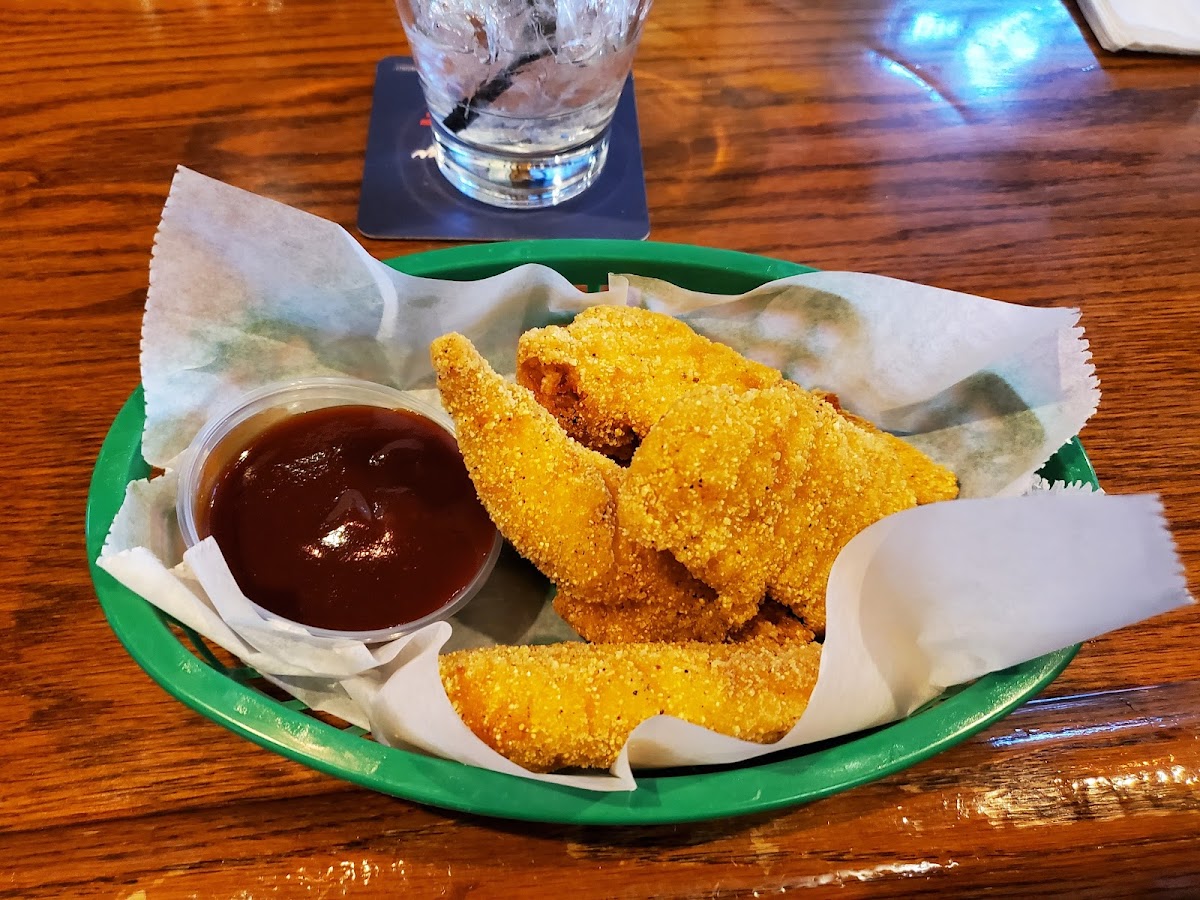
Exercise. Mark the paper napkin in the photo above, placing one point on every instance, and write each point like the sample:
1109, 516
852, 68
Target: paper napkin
1154, 26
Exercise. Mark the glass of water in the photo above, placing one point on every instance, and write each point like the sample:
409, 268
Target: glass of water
521, 93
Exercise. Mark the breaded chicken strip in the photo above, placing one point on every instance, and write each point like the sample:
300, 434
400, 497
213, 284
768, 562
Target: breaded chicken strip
855, 478
615, 370
757, 492
609, 375
548, 495
554, 500
929, 481
713, 479
574, 705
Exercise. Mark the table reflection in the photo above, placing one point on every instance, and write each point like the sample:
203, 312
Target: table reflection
983, 55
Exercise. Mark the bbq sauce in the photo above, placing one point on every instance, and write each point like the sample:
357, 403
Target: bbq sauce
350, 518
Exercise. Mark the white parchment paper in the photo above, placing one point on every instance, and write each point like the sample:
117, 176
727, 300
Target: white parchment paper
245, 291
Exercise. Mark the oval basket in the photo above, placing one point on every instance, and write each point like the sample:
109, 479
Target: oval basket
238, 699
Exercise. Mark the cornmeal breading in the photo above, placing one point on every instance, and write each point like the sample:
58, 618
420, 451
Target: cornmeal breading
615, 370
548, 495
609, 375
757, 492
555, 501
854, 479
712, 480
929, 481
574, 705
699, 572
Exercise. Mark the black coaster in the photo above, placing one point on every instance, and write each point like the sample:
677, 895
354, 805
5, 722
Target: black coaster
404, 195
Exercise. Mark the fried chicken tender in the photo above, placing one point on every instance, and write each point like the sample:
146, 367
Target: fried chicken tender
574, 705
700, 570
757, 492
555, 501
929, 482
651, 597
615, 370
548, 495
609, 375
713, 479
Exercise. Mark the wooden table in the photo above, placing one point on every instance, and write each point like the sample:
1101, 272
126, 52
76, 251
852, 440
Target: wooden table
988, 147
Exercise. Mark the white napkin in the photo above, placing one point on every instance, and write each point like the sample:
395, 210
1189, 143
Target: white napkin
1154, 26
245, 291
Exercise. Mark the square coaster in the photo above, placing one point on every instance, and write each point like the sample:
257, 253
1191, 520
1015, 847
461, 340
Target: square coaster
404, 196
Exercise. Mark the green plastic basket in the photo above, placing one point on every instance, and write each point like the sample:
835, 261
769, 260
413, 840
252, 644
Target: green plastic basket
237, 698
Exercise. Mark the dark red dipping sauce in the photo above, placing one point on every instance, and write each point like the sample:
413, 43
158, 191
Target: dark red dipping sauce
350, 518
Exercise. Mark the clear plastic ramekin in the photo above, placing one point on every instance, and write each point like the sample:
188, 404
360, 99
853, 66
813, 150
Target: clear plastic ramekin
234, 426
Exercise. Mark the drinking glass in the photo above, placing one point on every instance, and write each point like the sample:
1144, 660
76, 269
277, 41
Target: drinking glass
521, 93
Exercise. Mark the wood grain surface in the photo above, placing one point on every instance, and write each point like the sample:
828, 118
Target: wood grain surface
988, 147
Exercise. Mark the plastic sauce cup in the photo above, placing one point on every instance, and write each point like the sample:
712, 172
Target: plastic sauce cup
233, 428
